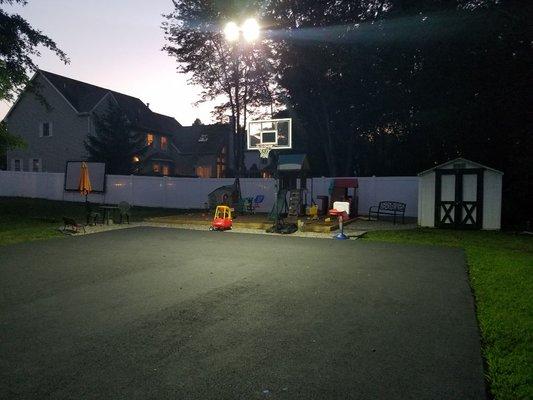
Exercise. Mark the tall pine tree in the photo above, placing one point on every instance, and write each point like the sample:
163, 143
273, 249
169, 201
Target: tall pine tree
116, 143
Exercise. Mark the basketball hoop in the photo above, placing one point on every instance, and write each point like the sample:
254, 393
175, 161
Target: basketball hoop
269, 134
264, 150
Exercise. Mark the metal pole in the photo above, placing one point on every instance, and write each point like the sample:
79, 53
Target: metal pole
340, 235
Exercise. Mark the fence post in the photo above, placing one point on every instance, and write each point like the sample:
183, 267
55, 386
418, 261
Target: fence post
164, 191
132, 193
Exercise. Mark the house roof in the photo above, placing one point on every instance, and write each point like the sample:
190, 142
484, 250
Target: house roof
201, 139
159, 155
456, 160
84, 97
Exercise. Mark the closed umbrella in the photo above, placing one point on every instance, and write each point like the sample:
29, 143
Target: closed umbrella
85, 186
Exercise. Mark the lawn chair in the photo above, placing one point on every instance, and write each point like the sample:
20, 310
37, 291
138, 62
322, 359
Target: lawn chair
124, 209
71, 223
257, 202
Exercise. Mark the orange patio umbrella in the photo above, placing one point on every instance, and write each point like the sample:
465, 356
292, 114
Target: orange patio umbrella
85, 186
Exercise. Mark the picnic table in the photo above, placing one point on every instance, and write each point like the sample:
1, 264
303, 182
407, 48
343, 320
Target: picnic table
108, 210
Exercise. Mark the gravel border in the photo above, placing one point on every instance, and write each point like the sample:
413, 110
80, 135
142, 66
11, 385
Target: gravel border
92, 229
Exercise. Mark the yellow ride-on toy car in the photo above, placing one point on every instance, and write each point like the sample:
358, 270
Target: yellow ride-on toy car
222, 220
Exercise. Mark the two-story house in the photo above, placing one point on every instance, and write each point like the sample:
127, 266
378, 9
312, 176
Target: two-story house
55, 130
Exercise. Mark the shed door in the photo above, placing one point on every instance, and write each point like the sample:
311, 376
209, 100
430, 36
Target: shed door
459, 198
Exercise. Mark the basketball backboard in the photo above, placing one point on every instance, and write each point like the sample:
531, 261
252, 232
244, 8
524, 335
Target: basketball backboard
269, 134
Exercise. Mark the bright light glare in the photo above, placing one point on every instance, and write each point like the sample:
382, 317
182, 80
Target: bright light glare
231, 32
250, 30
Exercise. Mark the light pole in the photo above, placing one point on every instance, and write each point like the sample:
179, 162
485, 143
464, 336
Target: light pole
249, 31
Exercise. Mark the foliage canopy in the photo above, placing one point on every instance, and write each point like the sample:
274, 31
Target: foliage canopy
115, 142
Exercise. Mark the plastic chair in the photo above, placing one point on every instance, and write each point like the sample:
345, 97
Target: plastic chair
124, 209
257, 201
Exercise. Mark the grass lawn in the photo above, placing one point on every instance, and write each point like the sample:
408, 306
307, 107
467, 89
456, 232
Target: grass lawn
501, 275
22, 220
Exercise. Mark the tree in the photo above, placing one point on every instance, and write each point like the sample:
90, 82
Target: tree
8, 142
115, 142
243, 75
407, 86
197, 122
20, 43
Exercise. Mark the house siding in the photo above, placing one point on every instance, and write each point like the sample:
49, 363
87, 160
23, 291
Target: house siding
69, 129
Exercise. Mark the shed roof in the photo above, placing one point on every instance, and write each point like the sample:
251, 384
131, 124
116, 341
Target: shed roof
292, 162
346, 183
456, 160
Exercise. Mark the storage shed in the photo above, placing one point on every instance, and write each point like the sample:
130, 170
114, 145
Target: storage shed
460, 194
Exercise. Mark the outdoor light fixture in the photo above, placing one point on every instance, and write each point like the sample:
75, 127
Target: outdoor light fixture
232, 32
250, 30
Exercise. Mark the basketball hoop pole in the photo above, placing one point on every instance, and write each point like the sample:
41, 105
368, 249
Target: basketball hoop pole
277, 185
266, 136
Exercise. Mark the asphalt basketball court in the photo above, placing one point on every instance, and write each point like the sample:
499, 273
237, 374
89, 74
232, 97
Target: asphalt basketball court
151, 313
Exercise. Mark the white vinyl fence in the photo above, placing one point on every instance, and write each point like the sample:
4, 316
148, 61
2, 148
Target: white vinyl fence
189, 193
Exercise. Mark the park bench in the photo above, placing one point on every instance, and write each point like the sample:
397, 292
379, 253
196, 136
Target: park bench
71, 223
394, 208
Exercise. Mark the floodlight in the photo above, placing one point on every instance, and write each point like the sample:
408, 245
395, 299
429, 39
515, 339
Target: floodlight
231, 32
250, 30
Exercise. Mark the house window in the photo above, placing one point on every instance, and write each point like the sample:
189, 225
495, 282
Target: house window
156, 168
45, 129
165, 170
16, 165
149, 139
203, 138
163, 142
35, 165
203, 171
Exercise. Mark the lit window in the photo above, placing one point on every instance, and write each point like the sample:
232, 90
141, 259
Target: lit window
156, 168
203, 171
164, 142
203, 138
149, 139
136, 159
36, 165
45, 129
165, 170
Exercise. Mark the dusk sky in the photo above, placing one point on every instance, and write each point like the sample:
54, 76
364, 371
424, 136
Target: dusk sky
115, 44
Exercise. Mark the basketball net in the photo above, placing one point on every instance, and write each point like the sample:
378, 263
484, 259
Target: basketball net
264, 150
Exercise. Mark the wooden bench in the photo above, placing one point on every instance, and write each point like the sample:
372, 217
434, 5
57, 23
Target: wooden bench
394, 208
71, 223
